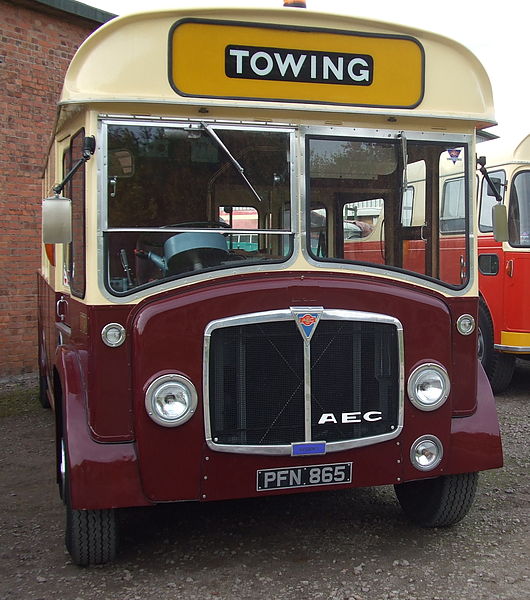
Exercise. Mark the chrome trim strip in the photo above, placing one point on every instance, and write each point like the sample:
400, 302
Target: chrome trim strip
63, 329
222, 230
380, 270
102, 202
297, 311
287, 315
514, 349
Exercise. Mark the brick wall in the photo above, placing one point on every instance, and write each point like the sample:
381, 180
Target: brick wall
37, 42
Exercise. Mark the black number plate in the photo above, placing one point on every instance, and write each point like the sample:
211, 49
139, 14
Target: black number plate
307, 476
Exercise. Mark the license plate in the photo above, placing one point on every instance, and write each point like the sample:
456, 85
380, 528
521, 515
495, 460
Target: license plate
306, 476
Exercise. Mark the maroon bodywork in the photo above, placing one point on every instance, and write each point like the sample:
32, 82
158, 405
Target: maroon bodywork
119, 457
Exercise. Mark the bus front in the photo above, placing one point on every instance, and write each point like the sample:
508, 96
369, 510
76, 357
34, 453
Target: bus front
260, 301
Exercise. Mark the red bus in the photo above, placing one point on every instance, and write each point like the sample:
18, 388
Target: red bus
504, 266
181, 367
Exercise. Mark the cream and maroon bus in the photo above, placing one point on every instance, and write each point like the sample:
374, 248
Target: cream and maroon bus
183, 367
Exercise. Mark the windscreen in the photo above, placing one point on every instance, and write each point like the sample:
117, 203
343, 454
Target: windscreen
382, 203
187, 199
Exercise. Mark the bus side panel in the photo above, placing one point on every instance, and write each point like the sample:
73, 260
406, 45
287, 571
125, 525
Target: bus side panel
99, 475
491, 286
47, 337
517, 286
465, 396
475, 440
109, 378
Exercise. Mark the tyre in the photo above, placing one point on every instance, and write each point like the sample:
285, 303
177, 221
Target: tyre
499, 366
439, 502
43, 381
43, 392
91, 536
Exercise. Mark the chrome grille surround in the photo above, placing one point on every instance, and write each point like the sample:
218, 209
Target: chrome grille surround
298, 363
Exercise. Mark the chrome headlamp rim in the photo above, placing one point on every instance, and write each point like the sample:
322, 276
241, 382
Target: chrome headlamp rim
118, 340
422, 440
157, 385
414, 378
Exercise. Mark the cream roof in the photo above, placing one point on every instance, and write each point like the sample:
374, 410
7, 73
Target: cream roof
127, 60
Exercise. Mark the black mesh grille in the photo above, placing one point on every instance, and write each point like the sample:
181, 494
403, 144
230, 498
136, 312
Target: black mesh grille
256, 392
354, 369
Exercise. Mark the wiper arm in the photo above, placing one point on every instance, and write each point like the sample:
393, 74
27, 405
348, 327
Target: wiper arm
481, 165
403, 159
232, 158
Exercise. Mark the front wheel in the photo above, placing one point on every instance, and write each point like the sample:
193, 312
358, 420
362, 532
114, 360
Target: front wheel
439, 502
43, 392
91, 536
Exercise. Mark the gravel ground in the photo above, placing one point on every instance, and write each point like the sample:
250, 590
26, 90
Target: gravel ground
336, 545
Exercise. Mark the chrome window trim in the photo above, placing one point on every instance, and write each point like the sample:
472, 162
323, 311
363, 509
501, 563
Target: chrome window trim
102, 201
289, 315
391, 134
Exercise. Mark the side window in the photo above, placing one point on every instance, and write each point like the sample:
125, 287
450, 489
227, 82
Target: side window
318, 225
239, 217
453, 210
75, 190
488, 200
359, 218
519, 212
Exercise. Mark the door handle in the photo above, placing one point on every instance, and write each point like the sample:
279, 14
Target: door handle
61, 308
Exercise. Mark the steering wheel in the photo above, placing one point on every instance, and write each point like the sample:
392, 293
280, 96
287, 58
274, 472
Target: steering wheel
208, 224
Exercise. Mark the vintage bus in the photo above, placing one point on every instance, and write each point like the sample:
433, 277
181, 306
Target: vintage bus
503, 321
504, 265
182, 368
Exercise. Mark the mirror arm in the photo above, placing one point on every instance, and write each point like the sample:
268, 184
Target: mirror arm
481, 164
88, 150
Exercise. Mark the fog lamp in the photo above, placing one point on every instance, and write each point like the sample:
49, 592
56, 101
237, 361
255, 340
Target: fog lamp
113, 334
171, 400
428, 386
426, 453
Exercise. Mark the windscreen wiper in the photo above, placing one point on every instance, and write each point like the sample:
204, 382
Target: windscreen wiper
403, 159
232, 158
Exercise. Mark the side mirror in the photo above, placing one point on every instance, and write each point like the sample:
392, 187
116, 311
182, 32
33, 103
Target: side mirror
56, 220
494, 187
499, 219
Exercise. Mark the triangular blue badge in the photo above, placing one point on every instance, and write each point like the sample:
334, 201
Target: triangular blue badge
307, 319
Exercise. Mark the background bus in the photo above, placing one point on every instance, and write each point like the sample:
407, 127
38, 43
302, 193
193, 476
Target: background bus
504, 322
181, 368
504, 267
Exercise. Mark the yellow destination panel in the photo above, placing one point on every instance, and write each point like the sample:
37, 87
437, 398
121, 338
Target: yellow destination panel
223, 60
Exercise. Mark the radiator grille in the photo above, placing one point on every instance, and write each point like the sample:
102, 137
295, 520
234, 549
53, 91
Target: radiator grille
256, 391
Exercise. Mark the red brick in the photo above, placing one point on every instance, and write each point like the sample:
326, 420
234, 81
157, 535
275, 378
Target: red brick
36, 45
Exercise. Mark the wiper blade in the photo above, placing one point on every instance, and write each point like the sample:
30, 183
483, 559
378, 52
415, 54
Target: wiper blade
404, 159
232, 158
